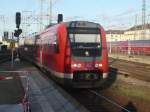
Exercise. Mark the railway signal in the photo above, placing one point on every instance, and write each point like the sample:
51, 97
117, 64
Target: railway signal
18, 19
17, 32
60, 18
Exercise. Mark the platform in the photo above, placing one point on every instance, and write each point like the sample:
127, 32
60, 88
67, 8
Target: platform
11, 90
44, 94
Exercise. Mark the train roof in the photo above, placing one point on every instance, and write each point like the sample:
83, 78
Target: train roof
72, 24
82, 24
79, 24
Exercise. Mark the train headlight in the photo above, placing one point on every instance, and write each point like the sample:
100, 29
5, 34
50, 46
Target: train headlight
100, 65
74, 65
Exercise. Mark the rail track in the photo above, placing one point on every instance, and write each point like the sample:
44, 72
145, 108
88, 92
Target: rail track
4, 59
109, 101
5, 56
132, 69
94, 101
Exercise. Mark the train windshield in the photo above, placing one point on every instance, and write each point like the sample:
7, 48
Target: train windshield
85, 42
85, 38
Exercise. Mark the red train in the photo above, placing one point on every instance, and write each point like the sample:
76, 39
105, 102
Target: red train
74, 52
134, 47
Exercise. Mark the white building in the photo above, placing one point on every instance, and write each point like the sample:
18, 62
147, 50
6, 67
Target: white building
114, 35
134, 33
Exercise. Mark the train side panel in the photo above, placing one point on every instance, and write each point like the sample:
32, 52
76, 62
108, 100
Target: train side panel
51, 50
104, 53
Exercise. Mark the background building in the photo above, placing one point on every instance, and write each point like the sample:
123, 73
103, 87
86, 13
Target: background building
133, 33
114, 35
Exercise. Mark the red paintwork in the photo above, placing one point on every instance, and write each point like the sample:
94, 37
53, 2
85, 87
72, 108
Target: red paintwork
104, 51
139, 47
49, 58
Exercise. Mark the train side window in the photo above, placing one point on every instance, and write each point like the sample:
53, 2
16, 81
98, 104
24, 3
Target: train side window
56, 45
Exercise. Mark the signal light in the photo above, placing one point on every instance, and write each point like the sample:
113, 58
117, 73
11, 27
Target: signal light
18, 19
17, 32
60, 18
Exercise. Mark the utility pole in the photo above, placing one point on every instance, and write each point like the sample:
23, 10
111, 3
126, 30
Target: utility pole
135, 28
50, 12
143, 19
25, 21
41, 15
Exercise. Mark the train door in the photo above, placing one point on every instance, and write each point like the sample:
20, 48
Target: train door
41, 53
39, 50
37, 47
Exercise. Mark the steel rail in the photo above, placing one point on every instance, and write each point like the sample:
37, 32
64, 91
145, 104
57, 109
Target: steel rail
108, 100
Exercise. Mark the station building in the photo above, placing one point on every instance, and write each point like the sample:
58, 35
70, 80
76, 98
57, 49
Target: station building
133, 33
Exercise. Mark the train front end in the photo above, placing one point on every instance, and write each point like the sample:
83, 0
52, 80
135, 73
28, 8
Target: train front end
87, 54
